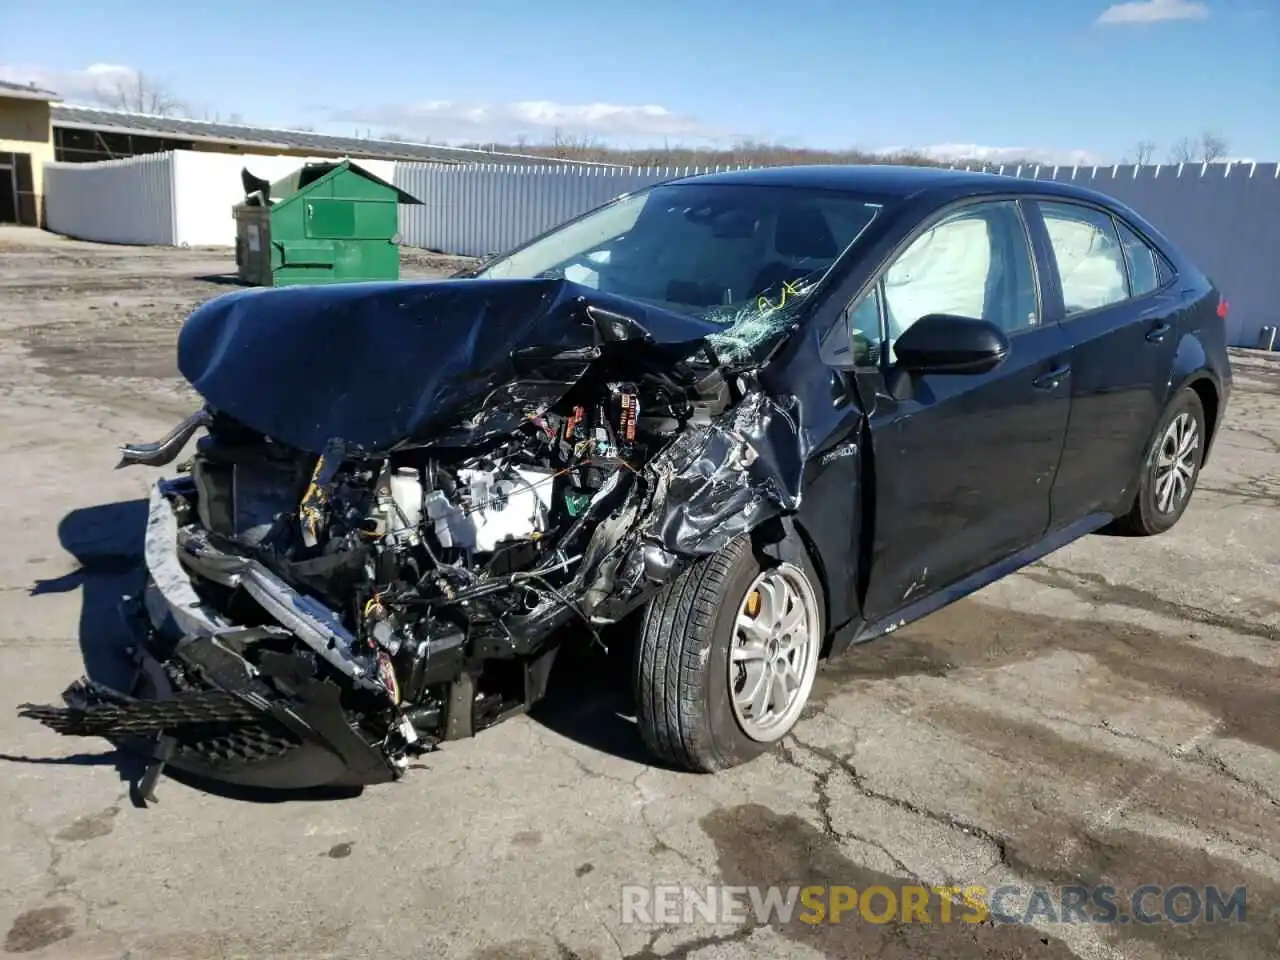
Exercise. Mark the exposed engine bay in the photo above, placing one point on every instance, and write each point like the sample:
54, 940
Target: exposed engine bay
435, 561
316, 613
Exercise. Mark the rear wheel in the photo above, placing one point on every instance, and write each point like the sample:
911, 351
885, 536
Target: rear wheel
727, 657
1170, 469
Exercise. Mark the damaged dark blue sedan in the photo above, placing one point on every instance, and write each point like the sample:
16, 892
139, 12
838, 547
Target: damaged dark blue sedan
772, 413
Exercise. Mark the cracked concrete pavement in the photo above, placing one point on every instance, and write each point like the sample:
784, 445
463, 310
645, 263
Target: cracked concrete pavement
1107, 716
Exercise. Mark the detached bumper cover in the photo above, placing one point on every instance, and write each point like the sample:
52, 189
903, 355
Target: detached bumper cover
199, 706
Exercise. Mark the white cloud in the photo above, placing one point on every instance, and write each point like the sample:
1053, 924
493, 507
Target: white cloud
97, 83
1153, 11
445, 120
982, 153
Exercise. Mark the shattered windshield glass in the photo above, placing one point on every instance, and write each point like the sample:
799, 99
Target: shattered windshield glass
745, 256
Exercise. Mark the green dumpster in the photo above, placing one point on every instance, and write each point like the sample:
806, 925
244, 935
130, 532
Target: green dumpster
325, 223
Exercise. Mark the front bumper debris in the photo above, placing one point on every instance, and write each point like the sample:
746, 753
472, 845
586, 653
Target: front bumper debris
196, 705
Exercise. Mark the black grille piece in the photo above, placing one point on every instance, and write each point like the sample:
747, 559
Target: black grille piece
94, 711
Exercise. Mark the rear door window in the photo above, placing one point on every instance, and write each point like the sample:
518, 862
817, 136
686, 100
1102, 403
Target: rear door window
1141, 261
1090, 260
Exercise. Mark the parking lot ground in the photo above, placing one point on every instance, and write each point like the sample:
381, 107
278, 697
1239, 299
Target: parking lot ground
1109, 716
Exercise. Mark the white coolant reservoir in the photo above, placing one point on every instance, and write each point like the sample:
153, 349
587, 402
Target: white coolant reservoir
406, 491
509, 504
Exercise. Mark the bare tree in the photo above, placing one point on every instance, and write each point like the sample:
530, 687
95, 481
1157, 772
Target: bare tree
1144, 152
1206, 148
141, 94
1182, 151
1211, 147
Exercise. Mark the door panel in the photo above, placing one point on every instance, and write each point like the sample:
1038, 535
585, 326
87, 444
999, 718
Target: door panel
8, 196
964, 464
964, 470
24, 190
1122, 352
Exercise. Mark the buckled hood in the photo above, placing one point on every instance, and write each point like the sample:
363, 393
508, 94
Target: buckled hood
376, 364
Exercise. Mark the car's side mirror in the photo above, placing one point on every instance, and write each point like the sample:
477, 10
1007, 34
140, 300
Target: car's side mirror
944, 343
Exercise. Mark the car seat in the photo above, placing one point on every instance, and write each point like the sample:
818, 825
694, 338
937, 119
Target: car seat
802, 233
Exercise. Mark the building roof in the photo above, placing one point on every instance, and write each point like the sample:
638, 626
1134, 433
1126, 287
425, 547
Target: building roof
25, 91
117, 121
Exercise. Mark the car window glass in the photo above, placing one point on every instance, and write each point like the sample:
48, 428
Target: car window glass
976, 263
864, 327
1087, 251
723, 252
1141, 261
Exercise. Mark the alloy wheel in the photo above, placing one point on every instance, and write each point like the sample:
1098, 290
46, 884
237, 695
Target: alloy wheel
774, 653
1176, 462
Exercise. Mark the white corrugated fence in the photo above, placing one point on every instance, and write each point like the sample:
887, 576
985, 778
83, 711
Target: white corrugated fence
115, 201
480, 209
179, 198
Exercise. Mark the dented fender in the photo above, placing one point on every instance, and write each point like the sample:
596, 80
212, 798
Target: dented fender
713, 483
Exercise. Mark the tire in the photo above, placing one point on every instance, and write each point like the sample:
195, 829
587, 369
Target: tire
685, 707
1152, 511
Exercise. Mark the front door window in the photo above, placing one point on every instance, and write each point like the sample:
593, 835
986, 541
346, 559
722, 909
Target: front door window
974, 263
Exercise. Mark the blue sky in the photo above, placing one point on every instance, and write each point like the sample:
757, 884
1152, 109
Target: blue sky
1070, 80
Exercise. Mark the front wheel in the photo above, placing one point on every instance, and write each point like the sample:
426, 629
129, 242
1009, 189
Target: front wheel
727, 657
1170, 469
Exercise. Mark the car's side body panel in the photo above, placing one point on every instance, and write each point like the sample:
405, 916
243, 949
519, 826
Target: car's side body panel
1120, 359
1201, 364
928, 603
964, 468
872, 533
832, 421
1201, 352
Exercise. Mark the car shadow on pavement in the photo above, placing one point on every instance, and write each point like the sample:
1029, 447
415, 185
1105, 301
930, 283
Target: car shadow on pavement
589, 698
107, 542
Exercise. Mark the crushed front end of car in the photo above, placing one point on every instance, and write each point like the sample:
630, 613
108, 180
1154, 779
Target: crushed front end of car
403, 494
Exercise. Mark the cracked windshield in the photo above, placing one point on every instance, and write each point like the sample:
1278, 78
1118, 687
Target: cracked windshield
744, 257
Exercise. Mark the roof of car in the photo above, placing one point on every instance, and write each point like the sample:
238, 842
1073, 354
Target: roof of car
890, 180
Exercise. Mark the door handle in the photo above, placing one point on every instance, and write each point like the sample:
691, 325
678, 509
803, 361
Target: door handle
1159, 331
1053, 378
